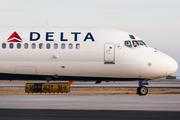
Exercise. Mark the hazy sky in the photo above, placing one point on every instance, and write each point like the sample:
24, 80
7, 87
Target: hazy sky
157, 22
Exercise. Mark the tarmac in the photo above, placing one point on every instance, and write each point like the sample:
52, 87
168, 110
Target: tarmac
151, 102
80, 107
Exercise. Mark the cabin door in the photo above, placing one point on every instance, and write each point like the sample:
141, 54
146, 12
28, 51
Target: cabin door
109, 53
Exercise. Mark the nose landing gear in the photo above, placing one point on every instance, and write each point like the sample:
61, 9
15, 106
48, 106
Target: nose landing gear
142, 90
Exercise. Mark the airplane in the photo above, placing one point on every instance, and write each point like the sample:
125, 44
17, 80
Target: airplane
80, 54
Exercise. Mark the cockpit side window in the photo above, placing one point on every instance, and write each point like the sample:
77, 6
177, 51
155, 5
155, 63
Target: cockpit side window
141, 42
135, 43
128, 43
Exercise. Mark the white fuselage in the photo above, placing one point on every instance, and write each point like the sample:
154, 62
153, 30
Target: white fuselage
79, 52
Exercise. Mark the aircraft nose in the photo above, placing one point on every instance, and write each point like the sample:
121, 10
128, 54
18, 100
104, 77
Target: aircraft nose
172, 66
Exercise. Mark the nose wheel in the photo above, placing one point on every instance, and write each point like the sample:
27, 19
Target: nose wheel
142, 90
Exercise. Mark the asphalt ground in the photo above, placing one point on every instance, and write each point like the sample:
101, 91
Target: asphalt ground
32, 114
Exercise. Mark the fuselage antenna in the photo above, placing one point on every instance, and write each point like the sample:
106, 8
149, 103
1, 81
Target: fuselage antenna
48, 24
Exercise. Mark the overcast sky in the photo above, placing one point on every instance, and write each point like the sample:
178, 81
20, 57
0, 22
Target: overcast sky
157, 22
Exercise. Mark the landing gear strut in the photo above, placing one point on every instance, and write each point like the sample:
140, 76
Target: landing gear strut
142, 90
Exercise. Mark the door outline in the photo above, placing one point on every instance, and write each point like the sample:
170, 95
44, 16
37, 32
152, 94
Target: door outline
109, 61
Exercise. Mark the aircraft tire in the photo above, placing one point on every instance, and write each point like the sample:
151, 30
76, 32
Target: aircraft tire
142, 90
138, 90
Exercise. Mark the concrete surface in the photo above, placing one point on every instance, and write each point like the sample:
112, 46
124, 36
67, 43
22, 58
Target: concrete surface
162, 102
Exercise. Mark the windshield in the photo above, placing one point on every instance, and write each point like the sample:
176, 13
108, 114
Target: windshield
128, 43
141, 42
135, 43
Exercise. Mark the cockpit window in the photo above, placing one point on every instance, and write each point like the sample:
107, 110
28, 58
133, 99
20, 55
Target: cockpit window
141, 42
132, 37
128, 43
135, 43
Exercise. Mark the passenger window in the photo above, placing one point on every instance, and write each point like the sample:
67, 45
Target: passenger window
11, 45
135, 43
26, 45
55, 46
62, 46
70, 46
40, 46
128, 43
48, 45
4, 45
33, 45
78, 46
19, 45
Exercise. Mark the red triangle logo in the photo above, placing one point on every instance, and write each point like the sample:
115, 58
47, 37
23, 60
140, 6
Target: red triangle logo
14, 38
